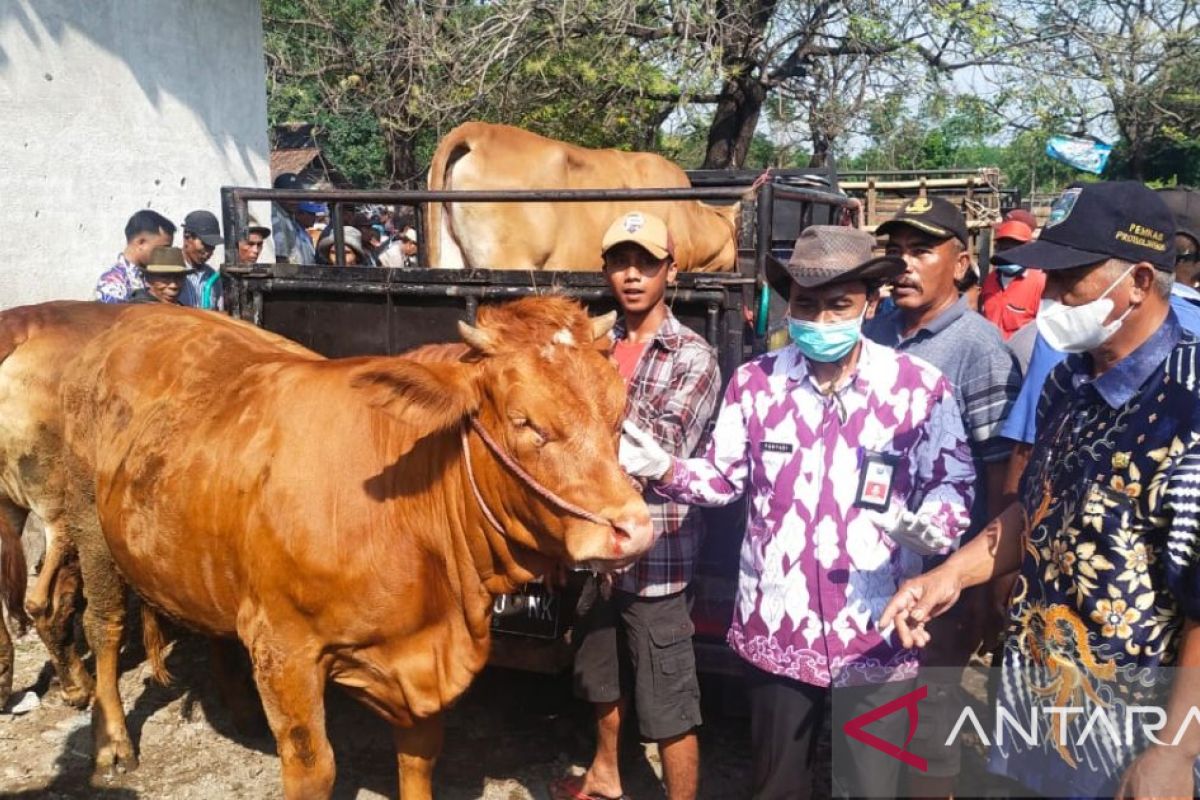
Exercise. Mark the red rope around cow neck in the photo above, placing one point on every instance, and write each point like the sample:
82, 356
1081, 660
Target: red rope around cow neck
524, 477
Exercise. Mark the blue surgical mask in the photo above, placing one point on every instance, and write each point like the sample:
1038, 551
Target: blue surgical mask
826, 341
1010, 269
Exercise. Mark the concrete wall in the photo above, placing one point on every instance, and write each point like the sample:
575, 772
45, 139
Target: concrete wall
109, 106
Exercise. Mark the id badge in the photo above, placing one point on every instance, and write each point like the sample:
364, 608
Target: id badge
875, 479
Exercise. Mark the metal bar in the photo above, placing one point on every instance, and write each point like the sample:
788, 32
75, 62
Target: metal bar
495, 196
866, 173
234, 222
764, 230
422, 240
711, 322
931, 183
339, 236
785, 192
269, 285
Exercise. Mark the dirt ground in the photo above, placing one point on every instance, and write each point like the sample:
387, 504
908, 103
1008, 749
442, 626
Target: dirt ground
505, 740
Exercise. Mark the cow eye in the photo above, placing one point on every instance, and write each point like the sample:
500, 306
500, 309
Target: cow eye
518, 421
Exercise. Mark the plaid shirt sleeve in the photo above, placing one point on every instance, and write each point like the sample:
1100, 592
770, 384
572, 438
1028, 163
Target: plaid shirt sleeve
672, 395
678, 397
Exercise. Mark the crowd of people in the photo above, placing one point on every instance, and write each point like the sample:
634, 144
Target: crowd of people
919, 496
936, 469
299, 230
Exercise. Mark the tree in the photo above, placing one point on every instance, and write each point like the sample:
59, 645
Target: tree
419, 69
1119, 66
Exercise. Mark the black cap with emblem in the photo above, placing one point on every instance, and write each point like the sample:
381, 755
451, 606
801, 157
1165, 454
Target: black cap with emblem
932, 215
1093, 222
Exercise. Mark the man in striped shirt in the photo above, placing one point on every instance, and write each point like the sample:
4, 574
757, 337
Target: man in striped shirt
635, 641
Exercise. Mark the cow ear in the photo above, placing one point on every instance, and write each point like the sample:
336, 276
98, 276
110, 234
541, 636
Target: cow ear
425, 397
479, 339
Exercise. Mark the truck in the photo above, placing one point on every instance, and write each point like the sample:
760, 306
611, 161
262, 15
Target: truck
341, 311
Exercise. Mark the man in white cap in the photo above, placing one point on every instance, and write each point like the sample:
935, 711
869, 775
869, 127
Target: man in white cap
635, 642
401, 252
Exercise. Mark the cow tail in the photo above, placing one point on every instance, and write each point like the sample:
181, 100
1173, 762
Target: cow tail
456, 145
155, 645
13, 573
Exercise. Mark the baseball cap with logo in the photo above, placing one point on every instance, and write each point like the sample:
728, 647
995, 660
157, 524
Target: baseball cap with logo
204, 226
1185, 205
645, 230
933, 215
1093, 222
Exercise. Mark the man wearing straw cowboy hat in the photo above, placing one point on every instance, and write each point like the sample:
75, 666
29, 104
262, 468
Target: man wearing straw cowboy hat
856, 466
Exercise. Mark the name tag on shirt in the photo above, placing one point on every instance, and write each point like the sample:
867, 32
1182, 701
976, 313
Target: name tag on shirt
875, 481
775, 447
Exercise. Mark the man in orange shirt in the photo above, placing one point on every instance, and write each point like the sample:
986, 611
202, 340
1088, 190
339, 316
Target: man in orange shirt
1011, 294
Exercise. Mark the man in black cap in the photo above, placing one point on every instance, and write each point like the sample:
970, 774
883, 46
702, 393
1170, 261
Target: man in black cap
1185, 205
934, 321
290, 221
201, 235
250, 243
1105, 531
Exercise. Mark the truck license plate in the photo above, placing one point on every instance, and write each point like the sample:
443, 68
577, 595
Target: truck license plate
531, 612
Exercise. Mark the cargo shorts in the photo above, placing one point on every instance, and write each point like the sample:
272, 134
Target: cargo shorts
639, 648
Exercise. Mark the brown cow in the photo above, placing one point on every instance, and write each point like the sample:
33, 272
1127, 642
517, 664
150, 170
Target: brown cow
564, 235
33, 341
334, 515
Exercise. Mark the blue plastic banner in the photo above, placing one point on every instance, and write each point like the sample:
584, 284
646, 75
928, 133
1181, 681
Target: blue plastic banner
1085, 154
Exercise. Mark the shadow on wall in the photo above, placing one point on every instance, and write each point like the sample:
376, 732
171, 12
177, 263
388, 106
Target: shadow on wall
171, 47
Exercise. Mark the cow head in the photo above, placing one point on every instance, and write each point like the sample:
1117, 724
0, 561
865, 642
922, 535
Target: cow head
540, 383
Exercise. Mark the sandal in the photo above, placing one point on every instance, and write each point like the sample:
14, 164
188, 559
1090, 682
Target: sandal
571, 788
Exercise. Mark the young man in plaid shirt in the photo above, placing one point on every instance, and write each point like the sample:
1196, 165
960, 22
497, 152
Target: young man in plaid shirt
636, 641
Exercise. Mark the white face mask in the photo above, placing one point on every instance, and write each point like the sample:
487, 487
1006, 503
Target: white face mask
1077, 329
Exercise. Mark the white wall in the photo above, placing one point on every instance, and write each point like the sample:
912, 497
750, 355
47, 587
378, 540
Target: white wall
109, 106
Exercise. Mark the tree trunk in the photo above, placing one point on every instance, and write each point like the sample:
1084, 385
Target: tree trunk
822, 143
738, 108
402, 164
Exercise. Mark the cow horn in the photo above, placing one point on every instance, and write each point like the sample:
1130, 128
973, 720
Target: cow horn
477, 338
602, 324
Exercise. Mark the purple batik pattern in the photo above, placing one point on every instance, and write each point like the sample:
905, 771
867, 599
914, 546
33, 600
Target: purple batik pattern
816, 570
118, 283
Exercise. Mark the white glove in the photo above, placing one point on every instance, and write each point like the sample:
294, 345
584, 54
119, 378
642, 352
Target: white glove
640, 455
919, 534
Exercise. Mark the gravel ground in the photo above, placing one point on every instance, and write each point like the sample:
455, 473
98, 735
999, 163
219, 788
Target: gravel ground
505, 740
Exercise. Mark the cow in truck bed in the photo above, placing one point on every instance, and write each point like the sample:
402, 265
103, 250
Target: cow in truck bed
566, 235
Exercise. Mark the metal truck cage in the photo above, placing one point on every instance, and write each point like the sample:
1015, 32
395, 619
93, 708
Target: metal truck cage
345, 311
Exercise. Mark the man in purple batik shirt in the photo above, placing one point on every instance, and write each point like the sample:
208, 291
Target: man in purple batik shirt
856, 465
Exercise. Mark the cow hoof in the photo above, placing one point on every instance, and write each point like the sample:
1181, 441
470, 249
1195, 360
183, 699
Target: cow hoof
35, 608
115, 759
76, 696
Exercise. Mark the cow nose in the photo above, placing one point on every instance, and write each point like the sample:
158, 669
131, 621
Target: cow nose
632, 535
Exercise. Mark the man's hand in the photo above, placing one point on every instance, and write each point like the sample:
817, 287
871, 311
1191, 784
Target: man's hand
1159, 772
919, 534
919, 600
641, 456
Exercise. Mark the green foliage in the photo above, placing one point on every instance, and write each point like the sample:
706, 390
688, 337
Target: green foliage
382, 80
